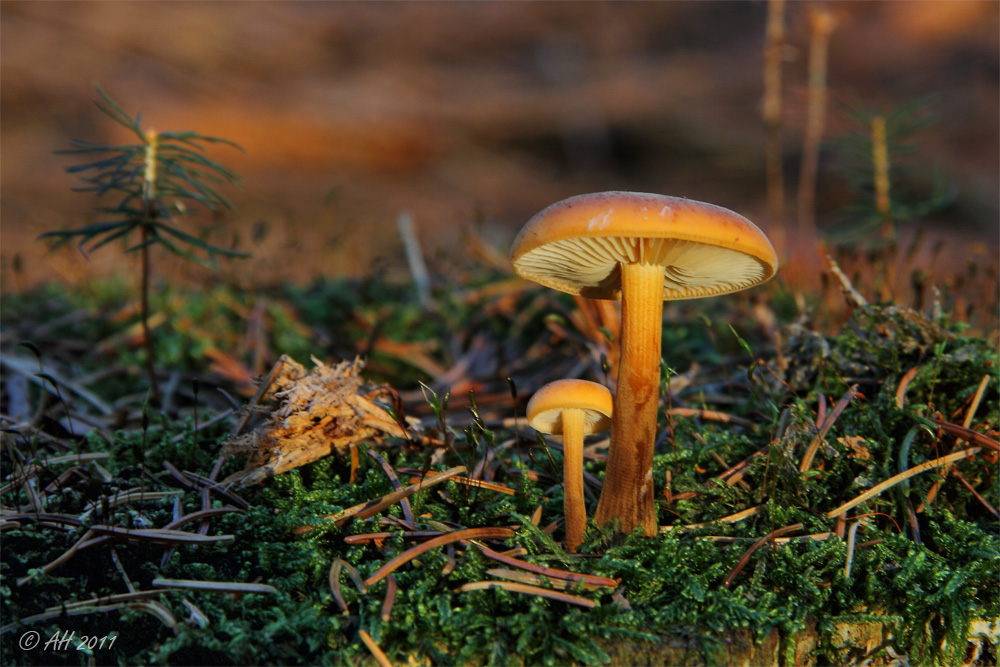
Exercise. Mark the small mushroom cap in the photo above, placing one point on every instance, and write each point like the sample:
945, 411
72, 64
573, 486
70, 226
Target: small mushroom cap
548, 403
576, 245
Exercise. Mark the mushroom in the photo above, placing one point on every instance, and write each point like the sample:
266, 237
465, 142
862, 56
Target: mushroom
572, 409
643, 249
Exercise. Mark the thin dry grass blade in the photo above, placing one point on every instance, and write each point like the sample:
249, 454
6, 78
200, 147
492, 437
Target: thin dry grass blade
529, 590
447, 538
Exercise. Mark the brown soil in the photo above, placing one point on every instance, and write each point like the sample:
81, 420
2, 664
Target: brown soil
467, 115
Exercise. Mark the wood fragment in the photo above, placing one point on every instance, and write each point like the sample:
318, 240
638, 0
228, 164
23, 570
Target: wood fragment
321, 412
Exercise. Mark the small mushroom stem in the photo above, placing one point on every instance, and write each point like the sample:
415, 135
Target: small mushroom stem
628, 479
573, 507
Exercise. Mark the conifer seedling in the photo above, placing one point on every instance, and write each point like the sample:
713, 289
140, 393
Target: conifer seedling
154, 179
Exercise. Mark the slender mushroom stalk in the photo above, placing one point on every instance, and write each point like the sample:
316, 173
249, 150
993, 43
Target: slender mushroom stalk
573, 409
640, 248
628, 482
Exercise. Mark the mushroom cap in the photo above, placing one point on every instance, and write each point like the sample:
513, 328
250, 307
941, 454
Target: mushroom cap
546, 406
577, 245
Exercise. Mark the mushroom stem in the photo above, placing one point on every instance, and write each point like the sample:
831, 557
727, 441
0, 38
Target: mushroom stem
573, 507
628, 480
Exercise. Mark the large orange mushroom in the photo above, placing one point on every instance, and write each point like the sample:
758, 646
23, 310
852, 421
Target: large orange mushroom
643, 249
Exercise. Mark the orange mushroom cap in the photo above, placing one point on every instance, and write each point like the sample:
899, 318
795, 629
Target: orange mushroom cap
548, 403
576, 245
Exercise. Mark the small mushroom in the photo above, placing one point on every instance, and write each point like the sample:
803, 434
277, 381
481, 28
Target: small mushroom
572, 409
643, 249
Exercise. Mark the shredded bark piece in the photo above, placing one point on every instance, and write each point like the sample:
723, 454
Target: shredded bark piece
321, 412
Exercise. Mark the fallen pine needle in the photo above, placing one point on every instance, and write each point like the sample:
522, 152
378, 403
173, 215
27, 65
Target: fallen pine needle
711, 415
160, 535
903, 384
390, 598
157, 609
215, 586
967, 434
58, 561
335, 569
828, 422
380, 657
732, 518
441, 540
378, 537
107, 600
529, 590
757, 545
551, 573
373, 507
490, 486
896, 479
537, 579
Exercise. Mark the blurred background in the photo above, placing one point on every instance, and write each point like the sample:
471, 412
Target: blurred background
473, 116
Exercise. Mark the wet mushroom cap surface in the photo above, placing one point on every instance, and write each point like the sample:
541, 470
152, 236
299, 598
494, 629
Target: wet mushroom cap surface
548, 403
578, 244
